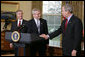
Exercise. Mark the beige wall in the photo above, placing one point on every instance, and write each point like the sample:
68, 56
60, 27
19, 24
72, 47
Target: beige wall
26, 6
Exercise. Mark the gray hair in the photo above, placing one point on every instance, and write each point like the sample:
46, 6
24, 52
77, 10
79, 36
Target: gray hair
68, 8
35, 9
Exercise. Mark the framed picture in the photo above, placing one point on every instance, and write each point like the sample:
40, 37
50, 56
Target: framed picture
8, 10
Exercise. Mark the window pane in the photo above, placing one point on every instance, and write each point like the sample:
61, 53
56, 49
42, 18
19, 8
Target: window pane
57, 19
52, 13
51, 19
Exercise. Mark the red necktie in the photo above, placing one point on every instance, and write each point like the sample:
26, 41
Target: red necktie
66, 24
19, 23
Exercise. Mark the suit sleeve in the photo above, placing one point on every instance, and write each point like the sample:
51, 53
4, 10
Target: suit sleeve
77, 34
55, 33
25, 27
12, 27
46, 28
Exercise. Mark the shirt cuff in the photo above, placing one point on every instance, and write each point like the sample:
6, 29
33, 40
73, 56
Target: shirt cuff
48, 36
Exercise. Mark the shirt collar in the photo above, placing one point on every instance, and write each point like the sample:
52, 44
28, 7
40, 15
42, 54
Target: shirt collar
69, 17
36, 19
20, 20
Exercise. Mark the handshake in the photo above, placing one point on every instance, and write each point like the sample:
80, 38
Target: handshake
44, 36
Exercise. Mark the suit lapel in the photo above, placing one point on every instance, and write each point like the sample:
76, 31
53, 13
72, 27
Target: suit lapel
23, 22
16, 23
70, 22
34, 25
41, 25
63, 25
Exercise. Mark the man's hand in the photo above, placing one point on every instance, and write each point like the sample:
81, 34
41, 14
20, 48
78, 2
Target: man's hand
74, 53
11, 45
44, 36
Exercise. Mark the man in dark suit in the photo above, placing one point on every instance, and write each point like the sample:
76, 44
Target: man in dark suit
38, 26
20, 26
71, 29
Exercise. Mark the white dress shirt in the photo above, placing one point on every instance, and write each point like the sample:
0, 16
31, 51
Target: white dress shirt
37, 21
18, 22
69, 17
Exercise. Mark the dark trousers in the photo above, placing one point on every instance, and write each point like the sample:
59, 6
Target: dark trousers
40, 50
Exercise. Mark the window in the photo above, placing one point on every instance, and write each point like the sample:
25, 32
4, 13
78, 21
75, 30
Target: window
52, 13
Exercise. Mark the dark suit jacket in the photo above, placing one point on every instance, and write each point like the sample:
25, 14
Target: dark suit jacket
14, 27
32, 28
71, 38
